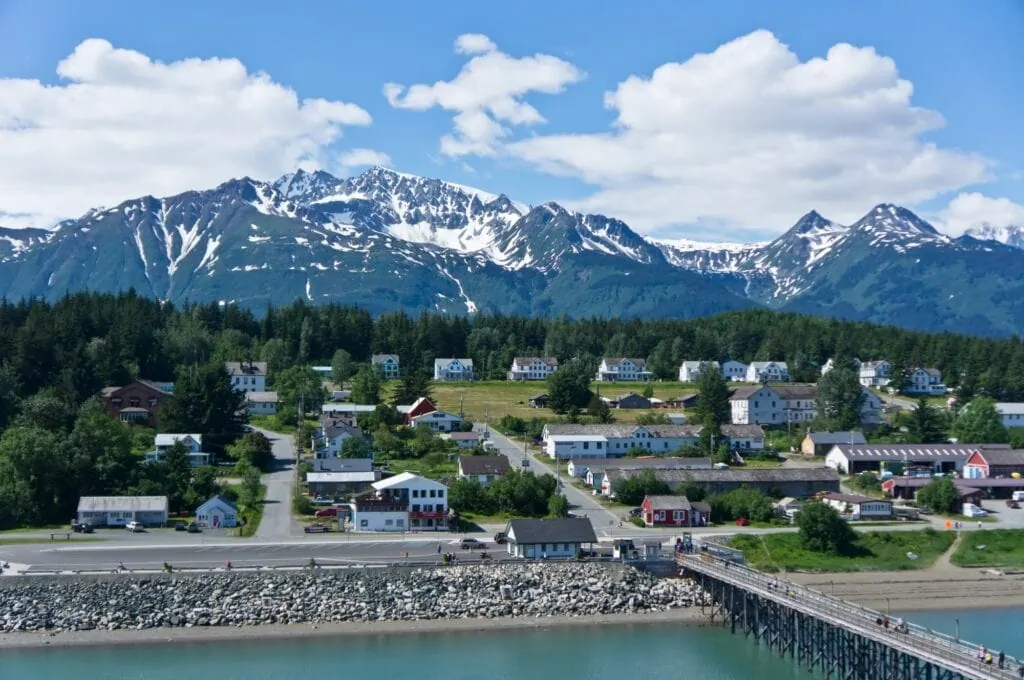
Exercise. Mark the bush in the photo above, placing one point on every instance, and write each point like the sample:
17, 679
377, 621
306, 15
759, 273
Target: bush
743, 502
302, 505
823, 530
638, 521
866, 482
940, 495
631, 490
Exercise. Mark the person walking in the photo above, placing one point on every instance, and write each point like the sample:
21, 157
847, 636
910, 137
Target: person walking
1002, 659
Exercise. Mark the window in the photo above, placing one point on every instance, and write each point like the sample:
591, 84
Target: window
415, 493
416, 508
389, 522
116, 401
440, 493
660, 515
586, 445
400, 522
433, 493
134, 402
364, 523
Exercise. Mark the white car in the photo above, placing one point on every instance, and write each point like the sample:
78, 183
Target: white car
973, 511
134, 527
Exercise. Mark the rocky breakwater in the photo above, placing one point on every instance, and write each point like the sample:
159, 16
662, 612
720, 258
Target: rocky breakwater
320, 596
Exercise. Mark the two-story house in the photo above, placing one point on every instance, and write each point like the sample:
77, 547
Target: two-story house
532, 368
570, 442
138, 402
784, 404
453, 370
925, 381
437, 421
1011, 413
689, 371
622, 369
734, 371
387, 365
767, 371
261, 403
248, 376
404, 502
875, 373
193, 444
332, 435
483, 469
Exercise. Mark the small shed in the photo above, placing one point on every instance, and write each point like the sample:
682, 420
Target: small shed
539, 401
217, 513
632, 400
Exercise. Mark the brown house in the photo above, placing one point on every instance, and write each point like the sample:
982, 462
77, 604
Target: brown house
137, 402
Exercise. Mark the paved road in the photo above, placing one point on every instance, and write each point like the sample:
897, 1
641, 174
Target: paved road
277, 509
583, 504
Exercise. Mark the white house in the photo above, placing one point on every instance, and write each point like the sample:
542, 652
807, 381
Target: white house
438, 421
875, 373
484, 469
1011, 413
116, 511
453, 370
387, 365
248, 376
622, 370
332, 436
925, 381
689, 371
463, 440
767, 371
548, 538
217, 513
261, 403
402, 503
783, 404
569, 442
734, 371
346, 412
193, 443
857, 506
532, 368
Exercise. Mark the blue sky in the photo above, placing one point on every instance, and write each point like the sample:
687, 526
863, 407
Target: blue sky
671, 177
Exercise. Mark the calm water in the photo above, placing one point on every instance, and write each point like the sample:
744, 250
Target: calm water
597, 653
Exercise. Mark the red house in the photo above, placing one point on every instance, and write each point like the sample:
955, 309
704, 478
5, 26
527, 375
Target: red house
674, 511
420, 407
985, 463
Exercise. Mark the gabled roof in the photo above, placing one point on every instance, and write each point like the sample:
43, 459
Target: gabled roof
526, 361
111, 390
484, 465
381, 358
646, 462
217, 500
441, 363
332, 429
1009, 408
743, 431
464, 436
343, 477
170, 439
261, 397
246, 367
912, 452
1002, 456
796, 391
341, 464
615, 361
744, 393
695, 365
754, 476
539, 531
852, 498
668, 502
348, 408
825, 438
403, 478
761, 365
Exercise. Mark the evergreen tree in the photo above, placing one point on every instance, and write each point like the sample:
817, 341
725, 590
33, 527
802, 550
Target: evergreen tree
924, 425
598, 409
178, 476
366, 385
415, 384
205, 403
979, 423
840, 398
8, 396
298, 387
341, 367
569, 387
713, 409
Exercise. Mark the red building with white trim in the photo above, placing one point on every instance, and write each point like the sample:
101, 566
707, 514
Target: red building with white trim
674, 511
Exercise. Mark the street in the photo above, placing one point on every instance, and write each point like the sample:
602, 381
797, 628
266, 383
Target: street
277, 507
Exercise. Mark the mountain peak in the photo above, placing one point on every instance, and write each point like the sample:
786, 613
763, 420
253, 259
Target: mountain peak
811, 222
889, 217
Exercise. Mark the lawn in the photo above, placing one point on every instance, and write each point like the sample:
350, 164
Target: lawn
422, 468
990, 548
873, 551
490, 400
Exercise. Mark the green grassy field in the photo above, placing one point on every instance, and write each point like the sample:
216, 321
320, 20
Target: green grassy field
494, 399
991, 548
873, 551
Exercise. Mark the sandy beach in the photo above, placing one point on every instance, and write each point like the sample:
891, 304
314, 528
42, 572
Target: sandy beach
686, 616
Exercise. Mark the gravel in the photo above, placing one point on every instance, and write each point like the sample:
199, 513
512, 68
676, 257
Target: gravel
320, 596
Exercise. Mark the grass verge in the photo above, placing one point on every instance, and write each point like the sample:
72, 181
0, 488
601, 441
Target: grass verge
255, 516
872, 551
990, 548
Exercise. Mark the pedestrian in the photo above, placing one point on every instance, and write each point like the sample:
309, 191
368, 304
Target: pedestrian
1002, 659
981, 653
438, 548
979, 524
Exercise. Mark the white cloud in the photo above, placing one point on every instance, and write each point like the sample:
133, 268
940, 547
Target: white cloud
474, 43
355, 158
487, 94
972, 209
122, 125
748, 138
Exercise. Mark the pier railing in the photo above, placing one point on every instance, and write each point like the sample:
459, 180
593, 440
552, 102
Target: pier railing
957, 655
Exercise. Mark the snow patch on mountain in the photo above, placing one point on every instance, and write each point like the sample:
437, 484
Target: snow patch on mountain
1009, 235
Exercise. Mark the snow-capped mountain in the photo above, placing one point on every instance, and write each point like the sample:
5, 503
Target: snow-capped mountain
1012, 236
388, 240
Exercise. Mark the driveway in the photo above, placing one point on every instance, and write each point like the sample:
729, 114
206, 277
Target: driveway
277, 507
582, 504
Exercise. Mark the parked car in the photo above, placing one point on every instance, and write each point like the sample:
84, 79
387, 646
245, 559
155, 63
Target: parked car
316, 528
636, 512
193, 528
1010, 503
500, 538
180, 526
742, 522
326, 512
322, 500
973, 511
134, 527
82, 528
472, 544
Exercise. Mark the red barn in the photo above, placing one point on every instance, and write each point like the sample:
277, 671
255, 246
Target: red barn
674, 511
988, 463
420, 407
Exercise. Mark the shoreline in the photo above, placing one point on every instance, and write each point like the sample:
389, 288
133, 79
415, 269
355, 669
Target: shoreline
688, 616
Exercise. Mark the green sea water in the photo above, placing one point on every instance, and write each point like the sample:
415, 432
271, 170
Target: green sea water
586, 653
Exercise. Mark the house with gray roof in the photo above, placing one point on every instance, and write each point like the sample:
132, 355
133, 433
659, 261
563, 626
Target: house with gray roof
117, 511
387, 365
790, 404
549, 538
820, 443
453, 370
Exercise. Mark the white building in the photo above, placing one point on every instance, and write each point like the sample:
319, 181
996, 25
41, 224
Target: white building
548, 538
1011, 413
940, 458
217, 513
332, 436
322, 371
116, 511
193, 444
532, 368
248, 376
261, 403
346, 412
453, 370
875, 373
463, 440
437, 421
689, 371
857, 506
734, 371
402, 503
926, 381
784, 404
767, 371
569, 442
622, 370
484, 469
387, 364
